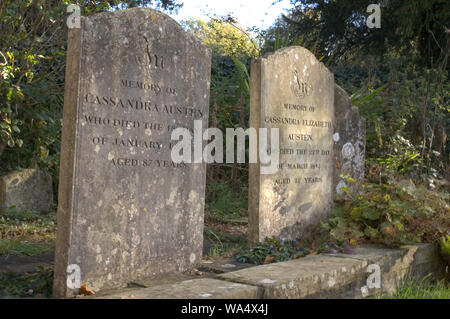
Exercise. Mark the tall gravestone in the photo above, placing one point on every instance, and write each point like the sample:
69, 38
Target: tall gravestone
291, 90
126, 211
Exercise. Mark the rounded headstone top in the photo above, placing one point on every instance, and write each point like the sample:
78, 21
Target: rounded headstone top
297, 53
146, 16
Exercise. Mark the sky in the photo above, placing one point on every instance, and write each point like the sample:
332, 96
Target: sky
249, 13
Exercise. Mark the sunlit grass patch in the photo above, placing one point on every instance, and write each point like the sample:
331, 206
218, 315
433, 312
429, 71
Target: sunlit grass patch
21, 247
26, 225
411, 288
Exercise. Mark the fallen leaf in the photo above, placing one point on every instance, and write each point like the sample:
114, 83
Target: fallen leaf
194, 272
269, 259
231, 253
84, 290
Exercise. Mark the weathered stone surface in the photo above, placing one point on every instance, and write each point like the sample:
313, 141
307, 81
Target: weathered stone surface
28, 189
204, 288
349, 143
292, 91
423, 260
342, 275
300, 278
223, 265
126, 211
318, 276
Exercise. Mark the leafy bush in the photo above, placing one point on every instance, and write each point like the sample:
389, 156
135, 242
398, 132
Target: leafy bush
32, 54
392, 215
407, 120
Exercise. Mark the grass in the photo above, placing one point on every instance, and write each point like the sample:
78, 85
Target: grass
224, 205
26, 233
223, 244
21, 247
411, 288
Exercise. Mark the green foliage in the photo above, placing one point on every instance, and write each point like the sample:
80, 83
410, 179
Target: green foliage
445, 245
31, 88
338, 28
223, 38
398, 75
407, 115
223, 203
271, 250
411, 288
232, 49
32, 284
390, 215
348, 189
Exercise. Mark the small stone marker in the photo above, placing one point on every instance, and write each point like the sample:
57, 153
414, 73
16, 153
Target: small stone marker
291, 90
29, 189
126, 211
349, 144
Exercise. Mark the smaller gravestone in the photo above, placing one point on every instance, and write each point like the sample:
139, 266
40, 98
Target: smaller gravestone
349, 144
292, 91
28, 189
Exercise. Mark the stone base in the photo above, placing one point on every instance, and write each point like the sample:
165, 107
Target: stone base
204, 288
316, 276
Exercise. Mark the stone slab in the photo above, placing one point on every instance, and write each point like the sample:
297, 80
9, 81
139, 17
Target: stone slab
300, 278
204, 288
314, 276
341, 275
223, 265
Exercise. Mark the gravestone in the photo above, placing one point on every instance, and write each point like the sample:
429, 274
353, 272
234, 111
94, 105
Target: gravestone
349, 145
293, 91
28, 189
126, 211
